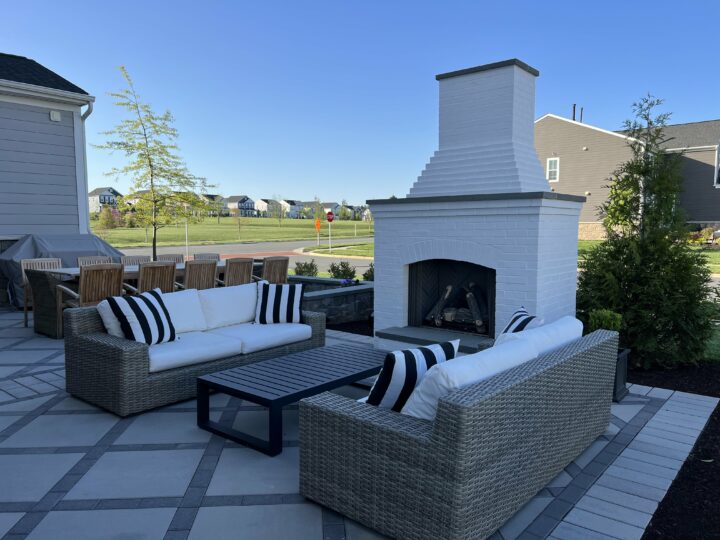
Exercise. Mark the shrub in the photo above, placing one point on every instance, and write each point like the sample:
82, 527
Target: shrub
306, 268
646, 270
604, 319
342, 270
107, 219
130, 220
369, 274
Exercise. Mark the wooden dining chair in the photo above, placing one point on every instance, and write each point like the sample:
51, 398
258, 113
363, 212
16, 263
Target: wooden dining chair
94, 259
207, 256
47, 263
199, 275
97, 282
275, 269
134, 260
238, 271
177, 258
154, 275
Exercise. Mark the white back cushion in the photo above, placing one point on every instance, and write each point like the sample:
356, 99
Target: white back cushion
185, 311
225, 306
110, 321
442, 379
548, 337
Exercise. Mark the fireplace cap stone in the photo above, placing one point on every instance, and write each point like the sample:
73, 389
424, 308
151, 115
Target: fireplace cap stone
550, 195
487, 67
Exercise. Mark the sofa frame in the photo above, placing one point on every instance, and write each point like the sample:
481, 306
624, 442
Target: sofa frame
114, 373
492, 446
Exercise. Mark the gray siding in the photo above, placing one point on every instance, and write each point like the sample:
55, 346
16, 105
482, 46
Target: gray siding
580, 170
700, 199
38, 182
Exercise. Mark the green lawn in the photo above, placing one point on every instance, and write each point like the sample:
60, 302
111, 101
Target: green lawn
226, 232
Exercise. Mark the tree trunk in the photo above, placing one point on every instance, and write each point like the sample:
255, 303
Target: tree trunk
154, 244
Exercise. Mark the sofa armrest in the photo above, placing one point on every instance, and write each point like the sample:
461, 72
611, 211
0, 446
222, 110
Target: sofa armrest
316, 321
331, 420
83, 320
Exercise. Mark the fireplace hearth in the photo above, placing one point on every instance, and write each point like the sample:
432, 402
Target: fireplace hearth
451, 294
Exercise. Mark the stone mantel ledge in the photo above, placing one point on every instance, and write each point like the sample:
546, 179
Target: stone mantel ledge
534, 195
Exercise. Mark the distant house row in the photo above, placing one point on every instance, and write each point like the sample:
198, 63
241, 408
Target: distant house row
244, 206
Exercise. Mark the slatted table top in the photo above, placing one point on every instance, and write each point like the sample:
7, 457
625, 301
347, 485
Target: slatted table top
286, 379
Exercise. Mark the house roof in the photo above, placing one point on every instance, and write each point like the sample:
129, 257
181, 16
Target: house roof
237, 198
692, 134
98, 191
212, 197
292, 202
28, 71
325, 204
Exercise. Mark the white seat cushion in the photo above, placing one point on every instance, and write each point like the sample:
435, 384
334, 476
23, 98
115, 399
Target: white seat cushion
185, 311
258, 337
442, 379
192, 348
225, 306
548, 337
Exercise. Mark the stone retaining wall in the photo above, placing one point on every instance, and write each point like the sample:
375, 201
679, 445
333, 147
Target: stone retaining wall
343, 304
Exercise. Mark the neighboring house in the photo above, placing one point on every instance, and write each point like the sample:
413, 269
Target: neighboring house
331, 207
292, 208
261, 207
269, 208
43, 172
579, 159
218, 204
241, 205
104, 196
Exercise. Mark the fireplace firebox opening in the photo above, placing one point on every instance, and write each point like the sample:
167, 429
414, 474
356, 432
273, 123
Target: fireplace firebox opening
455, 295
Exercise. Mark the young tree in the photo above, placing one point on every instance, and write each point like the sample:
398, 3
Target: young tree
106, 220
646, 270
276, 210
344, 211
163, 191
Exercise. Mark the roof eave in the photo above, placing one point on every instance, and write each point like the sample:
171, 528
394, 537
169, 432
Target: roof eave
587, 126
19, 89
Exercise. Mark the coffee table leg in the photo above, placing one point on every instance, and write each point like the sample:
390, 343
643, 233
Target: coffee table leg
275, 430
203, 405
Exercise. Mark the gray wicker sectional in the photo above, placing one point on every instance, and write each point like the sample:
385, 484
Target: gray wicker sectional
113, 373
492, 446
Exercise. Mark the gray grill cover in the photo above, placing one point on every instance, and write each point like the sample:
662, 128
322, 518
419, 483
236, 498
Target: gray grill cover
67, 247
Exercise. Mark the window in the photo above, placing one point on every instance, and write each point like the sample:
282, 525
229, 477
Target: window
553, 169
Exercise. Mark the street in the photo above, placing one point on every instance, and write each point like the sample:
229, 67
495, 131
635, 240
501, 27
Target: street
267, 249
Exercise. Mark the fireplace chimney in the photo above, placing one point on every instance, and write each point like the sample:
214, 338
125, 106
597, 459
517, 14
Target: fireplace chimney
487, 139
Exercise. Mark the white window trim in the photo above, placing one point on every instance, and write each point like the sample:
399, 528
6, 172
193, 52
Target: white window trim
547, 169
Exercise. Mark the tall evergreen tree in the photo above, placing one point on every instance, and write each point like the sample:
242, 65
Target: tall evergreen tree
646, 270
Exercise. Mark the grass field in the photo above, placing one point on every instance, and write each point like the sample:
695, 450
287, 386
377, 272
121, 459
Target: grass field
227, 232
584, 246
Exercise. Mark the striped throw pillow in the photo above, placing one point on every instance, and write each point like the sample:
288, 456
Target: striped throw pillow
278, 303
403, 371
143, 318
518, 321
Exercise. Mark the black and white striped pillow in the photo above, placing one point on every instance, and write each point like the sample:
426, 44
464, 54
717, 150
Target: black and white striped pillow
278, 303
403, 371
143, 318
519, 321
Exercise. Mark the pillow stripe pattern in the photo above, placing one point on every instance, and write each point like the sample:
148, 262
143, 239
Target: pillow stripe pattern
518, 321
278, 303
143, 318
403, 371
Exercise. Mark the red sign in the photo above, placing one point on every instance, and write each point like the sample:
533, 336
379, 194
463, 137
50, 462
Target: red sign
330, 217
317, 224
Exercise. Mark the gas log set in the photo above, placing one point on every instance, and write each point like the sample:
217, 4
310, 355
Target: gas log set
458, 308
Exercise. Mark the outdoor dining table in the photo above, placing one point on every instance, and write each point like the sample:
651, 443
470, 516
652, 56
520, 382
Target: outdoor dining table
43, 284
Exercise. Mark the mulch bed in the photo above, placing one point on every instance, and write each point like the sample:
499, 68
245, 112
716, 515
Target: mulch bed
691, 509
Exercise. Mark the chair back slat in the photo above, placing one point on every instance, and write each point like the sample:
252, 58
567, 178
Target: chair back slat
46, 263
94, 259
134, 260
200, 274
177, 258
238, 271
207, 256
98, 281
275, 269
156, 275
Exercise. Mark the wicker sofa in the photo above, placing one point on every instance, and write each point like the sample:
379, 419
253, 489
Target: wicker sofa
114, 373
492, 446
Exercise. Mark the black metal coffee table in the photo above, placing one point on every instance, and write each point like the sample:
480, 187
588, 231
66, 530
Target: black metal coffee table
280, 381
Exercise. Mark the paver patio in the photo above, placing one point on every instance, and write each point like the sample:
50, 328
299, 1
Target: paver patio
70, 470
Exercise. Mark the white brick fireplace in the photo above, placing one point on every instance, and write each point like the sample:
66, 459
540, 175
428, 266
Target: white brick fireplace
482, 199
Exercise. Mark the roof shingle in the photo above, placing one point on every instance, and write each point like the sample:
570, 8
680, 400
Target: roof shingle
28, 71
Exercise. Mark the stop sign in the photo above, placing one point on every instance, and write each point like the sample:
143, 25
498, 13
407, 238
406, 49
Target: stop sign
330, 217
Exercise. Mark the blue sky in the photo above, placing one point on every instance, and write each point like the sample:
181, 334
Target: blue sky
338, 98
